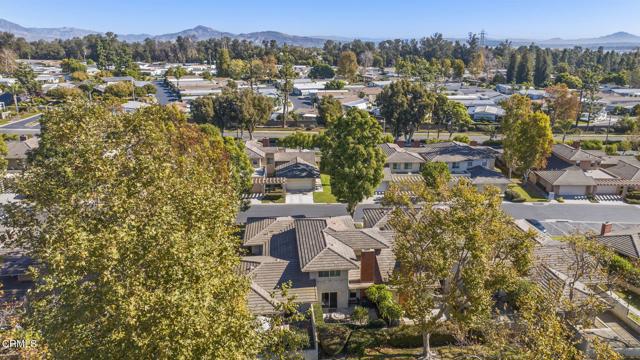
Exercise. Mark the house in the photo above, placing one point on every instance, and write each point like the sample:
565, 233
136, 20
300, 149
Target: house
300, 175
306, 88
486, 113
328, 260
281, 168
132, 106
116, 79
18, 151
477, 163
623, 242
576, 172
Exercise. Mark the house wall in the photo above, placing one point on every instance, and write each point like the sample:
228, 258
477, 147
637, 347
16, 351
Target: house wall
464, 165
338, 284
15, 164
399, 168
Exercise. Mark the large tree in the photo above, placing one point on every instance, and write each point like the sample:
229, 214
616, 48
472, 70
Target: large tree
223, 62
562, 104
523, 72
256, 110
512, 67
527, 136
453, 259
348, 65
131, 218
542, 70
329, 109
352, 157
405, 106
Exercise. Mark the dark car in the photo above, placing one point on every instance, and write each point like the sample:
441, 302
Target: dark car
537, 224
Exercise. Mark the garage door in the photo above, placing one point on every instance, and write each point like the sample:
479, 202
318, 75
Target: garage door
607, 190
301, 184
572, 190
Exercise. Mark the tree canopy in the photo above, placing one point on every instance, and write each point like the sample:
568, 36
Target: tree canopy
138, 248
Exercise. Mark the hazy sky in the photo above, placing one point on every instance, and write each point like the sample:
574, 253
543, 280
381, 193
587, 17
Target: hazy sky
537, 19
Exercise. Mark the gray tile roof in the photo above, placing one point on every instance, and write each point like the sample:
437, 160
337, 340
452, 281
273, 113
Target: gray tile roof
318, 251
360, 239
403, 156
449, 152
567, 152
286, 156
481, 175
376, 217
297, 168
569, 177
625, 243
625, 170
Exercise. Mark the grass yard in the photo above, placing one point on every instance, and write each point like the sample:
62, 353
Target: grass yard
325, 196
629, 296
528, 193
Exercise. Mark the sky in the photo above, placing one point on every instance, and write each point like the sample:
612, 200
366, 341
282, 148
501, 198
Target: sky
530, 19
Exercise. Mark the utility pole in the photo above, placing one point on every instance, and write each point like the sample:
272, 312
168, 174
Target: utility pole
606, 140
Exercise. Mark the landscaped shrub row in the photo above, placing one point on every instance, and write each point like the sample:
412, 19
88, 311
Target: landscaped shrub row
633, 197
629, 272
336, 338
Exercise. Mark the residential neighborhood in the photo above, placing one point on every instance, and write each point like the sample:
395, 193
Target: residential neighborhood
275, 189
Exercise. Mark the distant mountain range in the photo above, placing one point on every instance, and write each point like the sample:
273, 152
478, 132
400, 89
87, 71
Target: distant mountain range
616, 41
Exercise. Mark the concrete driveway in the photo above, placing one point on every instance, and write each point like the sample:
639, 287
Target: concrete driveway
299, 198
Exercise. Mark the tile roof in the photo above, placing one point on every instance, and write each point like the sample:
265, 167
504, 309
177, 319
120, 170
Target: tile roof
20, 149
318, 251
570, 153
297, 168
376, 217
626, 243
625, 170
482, 175
454, 152
360, 239
569, 177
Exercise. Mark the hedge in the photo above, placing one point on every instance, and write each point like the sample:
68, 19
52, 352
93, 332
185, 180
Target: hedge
513, 196
333, 338
403, 337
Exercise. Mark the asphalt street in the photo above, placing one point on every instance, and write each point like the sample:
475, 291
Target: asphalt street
556, 213
25, 126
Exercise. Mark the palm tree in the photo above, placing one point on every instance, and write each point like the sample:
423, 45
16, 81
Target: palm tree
15, 89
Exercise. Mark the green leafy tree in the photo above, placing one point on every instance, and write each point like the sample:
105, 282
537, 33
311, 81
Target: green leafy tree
322, 71
223, 62
457, 116
179, 72
238, 69
453, 259
203, 110
436, 174
334, 85
523, 72
301, 140
572, 81
72, 65
562, 104
16, 90
227, 108
27, 79
287, 74
329, 109
256, 110
542, 70
527, 137
405, 106
458, 68
512, 68
142, 210
348, 65
360, 315
351, 156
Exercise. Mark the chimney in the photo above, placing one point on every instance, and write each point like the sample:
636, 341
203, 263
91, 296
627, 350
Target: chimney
23, 137
606, 228
400, 143
368, 264
265, 142
473, 143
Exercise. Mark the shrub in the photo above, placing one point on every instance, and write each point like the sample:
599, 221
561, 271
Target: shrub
404, 337
462, 138
560, 199
334, 85
492, 143
611, 149
383, 298
634, 195
360, 315
333, 338
623, 267
591, 145
360, 340
513, 196
376, 324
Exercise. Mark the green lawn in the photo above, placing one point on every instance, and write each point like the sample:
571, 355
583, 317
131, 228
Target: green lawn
629, 296
325, 196
278, 198
528, 193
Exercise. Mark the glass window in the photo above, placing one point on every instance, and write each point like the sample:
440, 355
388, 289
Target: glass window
455, 165
331, 273
395, 166
469, 163
407, 166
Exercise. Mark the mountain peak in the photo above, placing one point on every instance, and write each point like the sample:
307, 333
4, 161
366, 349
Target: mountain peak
620, 35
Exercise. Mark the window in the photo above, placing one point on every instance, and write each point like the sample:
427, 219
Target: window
269, 161
455, 165
469, 163
330, 300
395, 166
332, 273
407, 166
484, 163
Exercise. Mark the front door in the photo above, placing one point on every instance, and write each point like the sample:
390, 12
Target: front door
330, 300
